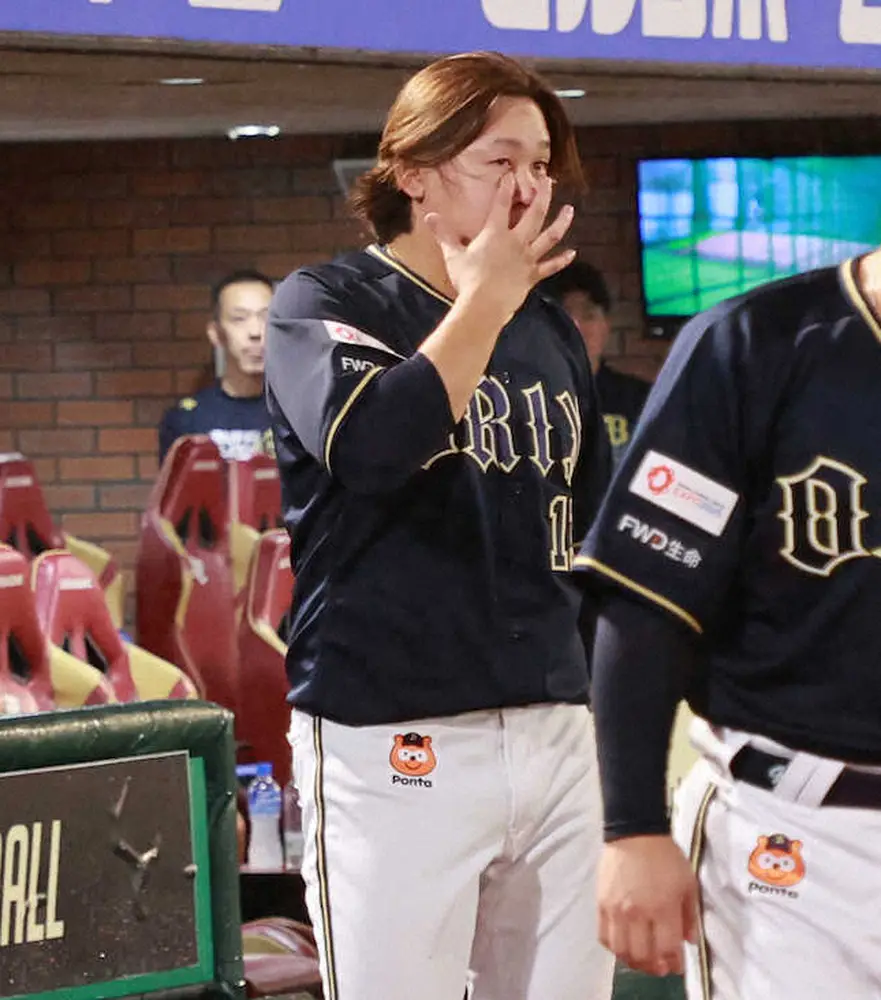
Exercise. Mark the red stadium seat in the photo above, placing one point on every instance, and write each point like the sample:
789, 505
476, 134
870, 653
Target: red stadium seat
264, 715
25, 522
73, 614
25, 678
184, 586
32, 674
254, 507
280, 957
27, 525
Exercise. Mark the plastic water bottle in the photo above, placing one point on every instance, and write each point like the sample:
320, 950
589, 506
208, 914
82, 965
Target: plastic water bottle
293, 827
264, 808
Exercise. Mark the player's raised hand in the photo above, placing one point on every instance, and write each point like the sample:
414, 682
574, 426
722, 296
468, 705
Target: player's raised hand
647, 896
503, 262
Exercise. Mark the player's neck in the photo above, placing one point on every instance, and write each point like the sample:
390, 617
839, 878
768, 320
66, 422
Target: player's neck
241, 386
419, 252
869, 279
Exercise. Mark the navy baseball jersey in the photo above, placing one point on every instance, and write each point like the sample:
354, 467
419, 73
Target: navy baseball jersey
748, 506
433, 561
622, 398
238, 425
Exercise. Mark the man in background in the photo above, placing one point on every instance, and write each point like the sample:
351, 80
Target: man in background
582, 291
231, 410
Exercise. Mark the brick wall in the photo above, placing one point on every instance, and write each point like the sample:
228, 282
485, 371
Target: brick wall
107, 252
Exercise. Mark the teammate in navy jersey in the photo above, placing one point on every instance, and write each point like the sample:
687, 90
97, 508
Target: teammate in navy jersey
440, 446
231, 410
583, 292
741, 544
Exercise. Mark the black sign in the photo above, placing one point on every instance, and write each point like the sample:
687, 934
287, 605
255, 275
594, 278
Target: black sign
96, 874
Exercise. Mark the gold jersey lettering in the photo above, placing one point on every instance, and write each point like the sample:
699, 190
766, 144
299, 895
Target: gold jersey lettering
569, 405
823, 516
486, 435
617, 429
560, 518
540, 426
488, 428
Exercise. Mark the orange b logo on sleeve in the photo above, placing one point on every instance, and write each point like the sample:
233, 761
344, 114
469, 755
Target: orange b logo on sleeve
777, 861
413, 757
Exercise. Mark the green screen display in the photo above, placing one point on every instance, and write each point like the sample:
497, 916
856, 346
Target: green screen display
711, 229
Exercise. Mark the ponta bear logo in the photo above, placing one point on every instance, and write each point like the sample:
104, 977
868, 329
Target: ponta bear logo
777, 863
413, 758
660, 479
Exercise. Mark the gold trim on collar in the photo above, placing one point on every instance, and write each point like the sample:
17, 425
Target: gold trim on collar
387, 257
856, 296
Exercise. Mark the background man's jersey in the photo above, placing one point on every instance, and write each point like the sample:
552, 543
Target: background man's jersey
622, 398
748, 506
433, 560
239, 426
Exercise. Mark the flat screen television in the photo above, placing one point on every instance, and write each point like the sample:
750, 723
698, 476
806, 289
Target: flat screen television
713, 228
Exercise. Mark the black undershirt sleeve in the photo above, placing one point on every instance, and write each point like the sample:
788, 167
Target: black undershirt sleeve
642, 660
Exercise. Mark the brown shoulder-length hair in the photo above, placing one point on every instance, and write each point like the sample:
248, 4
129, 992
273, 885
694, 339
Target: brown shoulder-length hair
437, 114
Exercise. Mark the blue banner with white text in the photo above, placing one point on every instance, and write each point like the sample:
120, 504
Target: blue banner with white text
804, 33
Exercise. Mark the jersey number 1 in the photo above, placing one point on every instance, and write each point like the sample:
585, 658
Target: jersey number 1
560, 516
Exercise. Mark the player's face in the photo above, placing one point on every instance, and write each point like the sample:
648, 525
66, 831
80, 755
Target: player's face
592, 321
461, 191
240, 325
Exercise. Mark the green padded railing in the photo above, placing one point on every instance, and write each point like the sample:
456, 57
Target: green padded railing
189, 742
